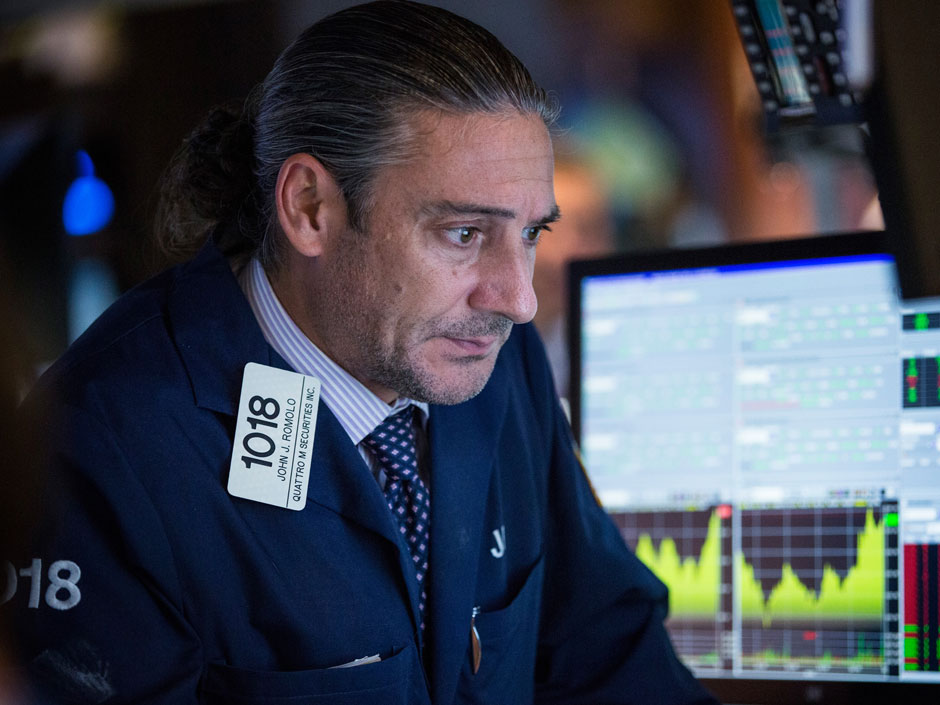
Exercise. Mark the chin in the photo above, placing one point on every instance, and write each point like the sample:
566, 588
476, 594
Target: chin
464, 385
453, 396
441, 380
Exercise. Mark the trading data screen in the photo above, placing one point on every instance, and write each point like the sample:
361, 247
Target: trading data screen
766, 434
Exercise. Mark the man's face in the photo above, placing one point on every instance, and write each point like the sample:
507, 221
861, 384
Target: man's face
421, 302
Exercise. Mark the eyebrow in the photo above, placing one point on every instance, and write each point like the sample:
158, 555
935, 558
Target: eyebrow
441, 208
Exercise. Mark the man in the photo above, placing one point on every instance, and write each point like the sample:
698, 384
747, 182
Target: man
368, 230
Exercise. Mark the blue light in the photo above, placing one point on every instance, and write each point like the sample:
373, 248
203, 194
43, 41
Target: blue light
89, 204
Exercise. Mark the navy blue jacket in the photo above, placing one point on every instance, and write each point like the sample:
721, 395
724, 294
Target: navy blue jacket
155, 585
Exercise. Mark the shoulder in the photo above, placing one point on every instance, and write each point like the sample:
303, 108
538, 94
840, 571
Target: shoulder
119, 408
142, 340
129, 336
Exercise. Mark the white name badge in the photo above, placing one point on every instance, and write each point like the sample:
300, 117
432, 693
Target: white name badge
277, 417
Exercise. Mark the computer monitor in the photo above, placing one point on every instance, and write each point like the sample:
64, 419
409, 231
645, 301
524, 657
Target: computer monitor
762, 421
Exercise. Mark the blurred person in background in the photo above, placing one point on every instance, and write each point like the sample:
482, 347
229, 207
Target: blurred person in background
585, 230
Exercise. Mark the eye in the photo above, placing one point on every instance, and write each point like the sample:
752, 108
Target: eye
462, 235
534, 234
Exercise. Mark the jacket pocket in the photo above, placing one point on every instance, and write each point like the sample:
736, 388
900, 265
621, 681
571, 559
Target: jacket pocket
508, 640
390, 680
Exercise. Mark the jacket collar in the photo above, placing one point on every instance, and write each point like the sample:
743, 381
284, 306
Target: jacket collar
215, 330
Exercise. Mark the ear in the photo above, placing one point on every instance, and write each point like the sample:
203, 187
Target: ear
310, 205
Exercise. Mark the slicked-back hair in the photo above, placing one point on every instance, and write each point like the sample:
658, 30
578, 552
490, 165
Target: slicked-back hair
346, 91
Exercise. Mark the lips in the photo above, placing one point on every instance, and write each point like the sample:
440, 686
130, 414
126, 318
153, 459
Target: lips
476, 337
475, 346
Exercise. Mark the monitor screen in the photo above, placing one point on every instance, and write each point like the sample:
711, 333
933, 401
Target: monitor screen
762, 422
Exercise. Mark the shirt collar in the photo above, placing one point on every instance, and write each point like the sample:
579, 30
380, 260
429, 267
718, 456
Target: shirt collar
356, 408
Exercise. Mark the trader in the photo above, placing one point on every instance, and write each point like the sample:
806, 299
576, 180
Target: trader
323, 460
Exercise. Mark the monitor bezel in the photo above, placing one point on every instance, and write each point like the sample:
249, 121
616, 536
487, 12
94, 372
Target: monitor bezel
754, 691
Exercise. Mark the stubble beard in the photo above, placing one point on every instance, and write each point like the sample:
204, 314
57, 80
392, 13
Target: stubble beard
398, 365
401, 369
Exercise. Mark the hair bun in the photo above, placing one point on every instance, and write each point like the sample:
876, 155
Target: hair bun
209, 183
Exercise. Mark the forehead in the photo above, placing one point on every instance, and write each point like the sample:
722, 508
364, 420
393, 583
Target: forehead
500, 160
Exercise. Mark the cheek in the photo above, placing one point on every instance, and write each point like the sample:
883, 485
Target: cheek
420, 305
395, 292
442, 290
416, 291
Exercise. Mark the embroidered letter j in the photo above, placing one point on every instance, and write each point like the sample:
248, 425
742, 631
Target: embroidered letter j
500, 548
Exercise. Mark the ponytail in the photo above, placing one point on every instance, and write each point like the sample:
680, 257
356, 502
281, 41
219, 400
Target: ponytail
208, 189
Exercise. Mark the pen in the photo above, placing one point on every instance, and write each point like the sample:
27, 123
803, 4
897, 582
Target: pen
475, 640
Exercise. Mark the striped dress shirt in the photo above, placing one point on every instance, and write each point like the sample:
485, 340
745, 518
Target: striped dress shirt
356, 408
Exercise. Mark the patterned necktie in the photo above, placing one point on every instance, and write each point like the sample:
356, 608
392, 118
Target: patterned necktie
393, 444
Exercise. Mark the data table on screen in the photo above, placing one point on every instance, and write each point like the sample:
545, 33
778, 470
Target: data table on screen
765, 434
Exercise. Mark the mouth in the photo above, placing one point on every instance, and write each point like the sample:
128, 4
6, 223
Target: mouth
475, 339
476, 347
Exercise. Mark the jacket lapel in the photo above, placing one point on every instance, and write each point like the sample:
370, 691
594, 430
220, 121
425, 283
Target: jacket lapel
463, 441
341, 481
215, 330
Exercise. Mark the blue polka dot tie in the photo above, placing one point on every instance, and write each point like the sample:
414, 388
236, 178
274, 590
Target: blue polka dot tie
393, 444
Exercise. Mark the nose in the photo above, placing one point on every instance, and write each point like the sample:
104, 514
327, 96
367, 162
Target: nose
505, 283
